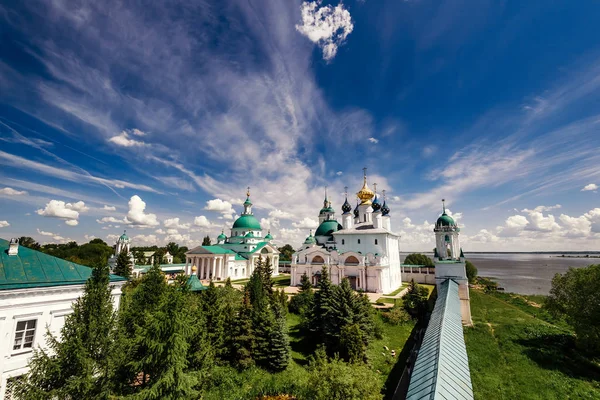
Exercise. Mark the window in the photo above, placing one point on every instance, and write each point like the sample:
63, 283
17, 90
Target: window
375, 241
24, 334
358, 241
343, 241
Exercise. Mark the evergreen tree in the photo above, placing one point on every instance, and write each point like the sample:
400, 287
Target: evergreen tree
303, 301
123, 267
352, 344
206, 241
166, 337
242, 344
279, 341
415, 300
321, 310
212, 309
79, 363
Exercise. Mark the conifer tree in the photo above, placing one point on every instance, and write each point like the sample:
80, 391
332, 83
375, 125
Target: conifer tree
206, 241
242, 344
79, 363
166, 337
321, 310
302, 303
212, 309
123, 266
279, 341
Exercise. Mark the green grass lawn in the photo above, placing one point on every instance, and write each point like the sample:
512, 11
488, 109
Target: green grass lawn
515, 354
389, 300
395, 292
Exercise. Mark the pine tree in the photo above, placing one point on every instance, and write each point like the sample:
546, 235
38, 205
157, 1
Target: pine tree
352, 344
166, 337
243, 342
319, 319
206, 241
212, 309
79, 363
123, 267
305, 285
279, 341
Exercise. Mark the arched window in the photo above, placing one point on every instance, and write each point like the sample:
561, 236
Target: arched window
317, 260
351, 261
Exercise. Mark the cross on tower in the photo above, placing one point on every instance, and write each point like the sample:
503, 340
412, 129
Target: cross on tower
375, 188
444, 205
346, 190
248, 191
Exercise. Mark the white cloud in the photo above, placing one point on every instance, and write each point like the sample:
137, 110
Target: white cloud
72, 222
429, 150
160, 232
339, 173
174, 223
123, 139
137, 132
517, 222
542, 208
326, 26
576, 226
172, 231
60, 209
373, 140
590, 187
136, 214
4, 224
306, 223
109, 208
594, 217
54, 236
219, 205
113, 220
142, 239
202, 222
12, 192
281, 214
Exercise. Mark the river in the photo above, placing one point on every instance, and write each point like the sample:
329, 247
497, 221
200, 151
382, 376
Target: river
524, 273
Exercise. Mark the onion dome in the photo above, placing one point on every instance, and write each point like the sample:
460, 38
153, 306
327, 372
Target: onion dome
376, 205
248, 221
445, 219
124, 237
385, 210
346, 207
328, 227
249, 235
269, 237
221, 237
356, 211
365, 194
310, 239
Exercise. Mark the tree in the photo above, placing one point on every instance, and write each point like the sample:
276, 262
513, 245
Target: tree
206, 241
321, 309
123, 267
418, 259
139, 257
243, 340
575, 295
98, 241
212, 309
79, 363
172, 248
29, 242
471, 271
286, 252
303, 301
415, 300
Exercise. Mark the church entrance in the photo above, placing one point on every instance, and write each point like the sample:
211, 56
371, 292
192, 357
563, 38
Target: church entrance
315, 279
353, 282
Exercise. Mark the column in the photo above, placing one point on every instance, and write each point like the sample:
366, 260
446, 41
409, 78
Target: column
214, 267
220, 268
203, 262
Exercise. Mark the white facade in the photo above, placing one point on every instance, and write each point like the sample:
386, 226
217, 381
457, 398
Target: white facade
363, 248
236, 256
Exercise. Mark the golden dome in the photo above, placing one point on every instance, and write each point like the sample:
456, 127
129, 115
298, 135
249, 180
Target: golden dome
365, 194
194, 268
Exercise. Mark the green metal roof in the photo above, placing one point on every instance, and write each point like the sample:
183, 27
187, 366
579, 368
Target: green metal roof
328, 227
217, 250
442, 367
240, 257
170, 268
195, 284
31, 268
222, 236
247, 221
445, 220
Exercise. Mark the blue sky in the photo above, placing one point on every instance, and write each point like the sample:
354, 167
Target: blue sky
155, 119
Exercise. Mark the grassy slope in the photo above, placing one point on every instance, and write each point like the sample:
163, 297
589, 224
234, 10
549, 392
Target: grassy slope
514, 355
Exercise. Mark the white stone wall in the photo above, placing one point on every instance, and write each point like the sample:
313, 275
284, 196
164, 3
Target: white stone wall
48, 306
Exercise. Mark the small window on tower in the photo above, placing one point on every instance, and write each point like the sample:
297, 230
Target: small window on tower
343, 242
375, 241
358, 241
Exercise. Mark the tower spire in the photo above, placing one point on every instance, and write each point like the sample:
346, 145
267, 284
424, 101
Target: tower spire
444, 206
248, 191
375, 188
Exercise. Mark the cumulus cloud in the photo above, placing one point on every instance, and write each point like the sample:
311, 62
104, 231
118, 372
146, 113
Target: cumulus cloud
60, 209
594, 217
160, 231
72, 222
12, 192
590, 187
143, 239
123, 139
109, 208
202, 222
222, 206
136, 214
326, 26
54, 236
339, 173
111, 220
175, 224
373, 140
542, 208
306, 223
281, 214
4, 224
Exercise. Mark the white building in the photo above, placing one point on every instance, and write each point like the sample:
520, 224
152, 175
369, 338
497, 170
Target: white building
123, 243
235, 256
36, 291
362, 248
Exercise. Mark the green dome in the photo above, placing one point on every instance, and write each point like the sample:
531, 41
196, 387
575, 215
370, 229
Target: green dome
269, 237
221, 236
124, 236
310, 239
247, 222
249, 234
328, 227
326, 210
445, 220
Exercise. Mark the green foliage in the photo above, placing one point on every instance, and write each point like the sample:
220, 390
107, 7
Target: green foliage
415, 301
471, 271
78, 364
123, 267
397, 315
302, 303
214, 318
286, 252
29, 242
418, 259
206, 241
576, 296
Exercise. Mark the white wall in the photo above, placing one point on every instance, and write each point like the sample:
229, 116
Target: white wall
48, 306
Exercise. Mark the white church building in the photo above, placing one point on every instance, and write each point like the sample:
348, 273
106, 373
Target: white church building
363, 248
235, 256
